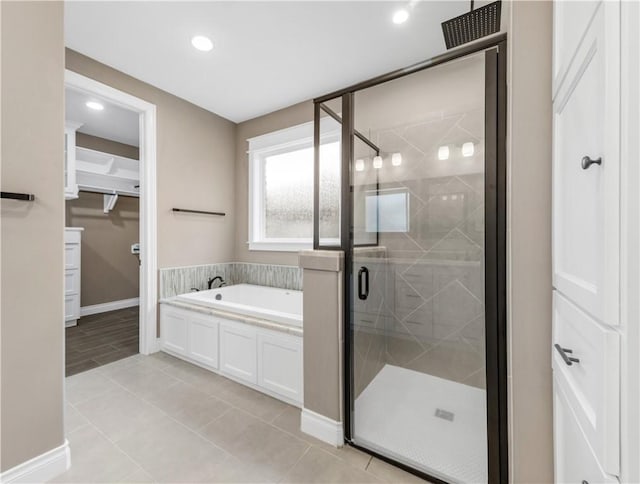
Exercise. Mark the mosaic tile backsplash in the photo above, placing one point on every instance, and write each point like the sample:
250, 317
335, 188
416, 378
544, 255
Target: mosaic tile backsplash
179, 280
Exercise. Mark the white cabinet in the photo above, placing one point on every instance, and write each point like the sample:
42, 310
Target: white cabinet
586, 241
72, 252
238, 351
263, 359
280, 364
586, 199
70, 184
174, 330
203, 340
593, 380
189, 334
575, 462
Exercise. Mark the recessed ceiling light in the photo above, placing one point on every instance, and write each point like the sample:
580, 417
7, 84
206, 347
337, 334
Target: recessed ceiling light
467, 149
400, 16
443, 153
396, 159
94, 105
202, 43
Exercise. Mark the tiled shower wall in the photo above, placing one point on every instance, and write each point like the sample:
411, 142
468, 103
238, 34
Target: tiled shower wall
180, 280
426, 310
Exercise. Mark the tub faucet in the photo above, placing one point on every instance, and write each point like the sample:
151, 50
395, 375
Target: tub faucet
214, 279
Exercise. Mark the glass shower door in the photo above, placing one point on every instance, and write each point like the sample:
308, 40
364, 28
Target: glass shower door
417, 322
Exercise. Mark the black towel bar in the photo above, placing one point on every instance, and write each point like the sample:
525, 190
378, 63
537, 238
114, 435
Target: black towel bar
187, 210
26, 197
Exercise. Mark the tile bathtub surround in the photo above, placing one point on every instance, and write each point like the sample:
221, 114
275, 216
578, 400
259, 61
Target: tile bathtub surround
179, 280
285, 277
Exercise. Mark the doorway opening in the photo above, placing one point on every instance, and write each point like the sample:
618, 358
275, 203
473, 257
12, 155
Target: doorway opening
110, 226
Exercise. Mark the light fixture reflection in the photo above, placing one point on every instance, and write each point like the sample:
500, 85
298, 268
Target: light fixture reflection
443, 153
396, 159
467, 149
400, 16
377, 162
202, 43
360, 164
96, 106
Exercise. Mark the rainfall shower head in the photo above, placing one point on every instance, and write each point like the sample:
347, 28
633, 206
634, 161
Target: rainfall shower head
473, 25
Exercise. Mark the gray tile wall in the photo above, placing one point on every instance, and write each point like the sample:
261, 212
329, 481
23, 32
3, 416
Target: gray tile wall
428, 312
179, 280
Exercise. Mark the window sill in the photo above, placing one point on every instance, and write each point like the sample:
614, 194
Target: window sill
280, 246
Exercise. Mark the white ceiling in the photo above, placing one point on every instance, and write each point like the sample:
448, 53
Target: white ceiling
267, 55
113, 122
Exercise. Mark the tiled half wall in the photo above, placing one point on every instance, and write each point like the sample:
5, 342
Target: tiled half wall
179, 280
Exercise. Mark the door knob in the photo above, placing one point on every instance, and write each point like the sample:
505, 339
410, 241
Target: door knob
587, 162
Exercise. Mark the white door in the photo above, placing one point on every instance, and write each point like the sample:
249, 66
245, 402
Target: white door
586, 268
586, 166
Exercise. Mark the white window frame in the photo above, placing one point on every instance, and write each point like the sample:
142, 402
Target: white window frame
260, 147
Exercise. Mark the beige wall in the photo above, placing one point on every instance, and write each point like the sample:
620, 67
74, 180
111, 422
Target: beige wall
285, 118
322, 342
109, 271
529, 219
195, 166
31, 233
107, 146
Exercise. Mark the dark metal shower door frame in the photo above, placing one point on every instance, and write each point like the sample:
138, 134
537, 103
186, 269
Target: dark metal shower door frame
495, 49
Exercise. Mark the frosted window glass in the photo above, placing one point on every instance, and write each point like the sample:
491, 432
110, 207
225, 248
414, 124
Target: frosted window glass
387, 212
329, 192
288, 192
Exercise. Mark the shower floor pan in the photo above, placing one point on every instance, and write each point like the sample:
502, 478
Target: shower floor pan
432, 424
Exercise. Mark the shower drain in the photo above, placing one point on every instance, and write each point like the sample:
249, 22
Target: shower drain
444, 414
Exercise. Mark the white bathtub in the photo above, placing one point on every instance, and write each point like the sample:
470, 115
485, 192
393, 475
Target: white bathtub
280, 305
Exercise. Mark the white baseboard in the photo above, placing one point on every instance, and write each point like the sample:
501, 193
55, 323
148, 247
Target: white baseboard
42, 468
322, 428
110, 306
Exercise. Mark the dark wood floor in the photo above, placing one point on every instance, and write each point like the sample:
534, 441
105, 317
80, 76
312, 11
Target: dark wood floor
100, 339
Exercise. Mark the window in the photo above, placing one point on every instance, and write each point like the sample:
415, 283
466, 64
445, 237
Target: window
281, 188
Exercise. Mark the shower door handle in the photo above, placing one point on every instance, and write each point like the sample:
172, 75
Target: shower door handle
363, 289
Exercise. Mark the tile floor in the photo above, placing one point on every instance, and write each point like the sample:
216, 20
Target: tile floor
159, 419
100, 339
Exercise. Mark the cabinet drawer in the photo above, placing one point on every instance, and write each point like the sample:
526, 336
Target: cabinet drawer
71, 256
71, 282
238, 351
280, 364
575, 462
71, 307
203, 340
592, 384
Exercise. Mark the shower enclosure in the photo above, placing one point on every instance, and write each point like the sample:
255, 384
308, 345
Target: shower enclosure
416, 201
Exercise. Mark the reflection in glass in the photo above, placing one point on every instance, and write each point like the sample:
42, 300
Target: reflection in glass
418, 354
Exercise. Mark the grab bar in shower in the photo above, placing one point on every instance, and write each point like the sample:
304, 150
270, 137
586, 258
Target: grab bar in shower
25, 197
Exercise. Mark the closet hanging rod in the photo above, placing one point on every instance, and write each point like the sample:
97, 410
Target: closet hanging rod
25, 197
188, 210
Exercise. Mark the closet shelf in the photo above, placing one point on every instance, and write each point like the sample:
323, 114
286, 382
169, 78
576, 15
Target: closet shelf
111, 175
